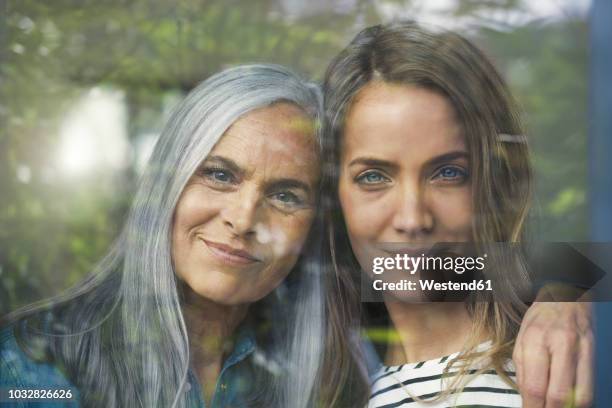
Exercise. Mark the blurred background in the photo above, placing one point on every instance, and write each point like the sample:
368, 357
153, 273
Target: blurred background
87, 85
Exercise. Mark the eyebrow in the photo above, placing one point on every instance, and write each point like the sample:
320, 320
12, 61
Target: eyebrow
372, 161
273, 184
229, 163
288, 183
446, 157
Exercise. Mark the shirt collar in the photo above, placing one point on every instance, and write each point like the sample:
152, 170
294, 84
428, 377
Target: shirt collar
244, 346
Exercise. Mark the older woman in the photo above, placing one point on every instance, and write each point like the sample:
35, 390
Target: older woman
186, 308
425, 146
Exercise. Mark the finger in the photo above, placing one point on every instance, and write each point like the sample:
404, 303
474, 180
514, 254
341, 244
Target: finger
517, 358
535, 369
519, 345
562, 375
584, 372
519, 373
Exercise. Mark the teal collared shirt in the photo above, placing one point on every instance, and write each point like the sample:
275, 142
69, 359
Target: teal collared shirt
20, 372
235, 382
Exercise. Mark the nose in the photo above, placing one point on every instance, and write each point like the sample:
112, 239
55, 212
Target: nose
413, 217
240, 214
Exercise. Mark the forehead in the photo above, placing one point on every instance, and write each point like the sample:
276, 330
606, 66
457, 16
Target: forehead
400, 118
278, 136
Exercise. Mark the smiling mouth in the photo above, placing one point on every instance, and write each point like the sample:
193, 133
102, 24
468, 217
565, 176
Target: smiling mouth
230, 255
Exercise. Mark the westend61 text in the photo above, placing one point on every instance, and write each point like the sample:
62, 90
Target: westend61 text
429, 284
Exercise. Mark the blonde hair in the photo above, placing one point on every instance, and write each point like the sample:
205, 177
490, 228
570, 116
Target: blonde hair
446, 63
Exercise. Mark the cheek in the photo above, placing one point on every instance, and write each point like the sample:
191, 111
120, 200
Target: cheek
365, 213
196, 207
285, 238
194, 212
453, 211
364, 218
284, 235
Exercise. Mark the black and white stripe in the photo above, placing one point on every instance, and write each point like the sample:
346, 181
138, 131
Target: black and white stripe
397, 386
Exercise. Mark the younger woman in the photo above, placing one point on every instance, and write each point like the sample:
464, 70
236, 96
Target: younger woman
427, 148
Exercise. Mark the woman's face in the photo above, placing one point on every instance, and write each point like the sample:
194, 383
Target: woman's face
241, 220
404, 174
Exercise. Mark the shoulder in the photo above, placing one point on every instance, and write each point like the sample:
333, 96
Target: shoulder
19, 371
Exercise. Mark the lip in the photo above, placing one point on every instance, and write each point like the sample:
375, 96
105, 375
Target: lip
229, 254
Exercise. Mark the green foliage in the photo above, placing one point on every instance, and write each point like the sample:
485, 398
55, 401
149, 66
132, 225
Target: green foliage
53, 227
548, 69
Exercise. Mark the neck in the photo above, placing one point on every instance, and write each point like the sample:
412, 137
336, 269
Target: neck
210, 327
427, 330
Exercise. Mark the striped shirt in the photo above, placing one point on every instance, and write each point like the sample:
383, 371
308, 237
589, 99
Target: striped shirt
396, 386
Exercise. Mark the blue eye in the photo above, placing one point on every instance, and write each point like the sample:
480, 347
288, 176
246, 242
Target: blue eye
287, 198
219, 175
372, 177
451, 173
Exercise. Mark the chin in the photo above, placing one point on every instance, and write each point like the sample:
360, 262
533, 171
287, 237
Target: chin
218, 290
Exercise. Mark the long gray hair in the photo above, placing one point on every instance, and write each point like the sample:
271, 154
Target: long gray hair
120, 335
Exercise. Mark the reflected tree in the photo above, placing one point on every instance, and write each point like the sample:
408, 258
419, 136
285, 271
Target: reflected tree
54, 226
